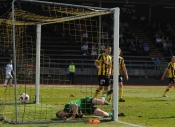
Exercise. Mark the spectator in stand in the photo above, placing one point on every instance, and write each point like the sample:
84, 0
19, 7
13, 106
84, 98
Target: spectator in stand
143, 44
131, 44
160, 33
146, 50
140, 49
164, 46
105, 38
136, 43
85, 36
158, 42
84, 48
157, 35
157, 63
102, 47
94, 51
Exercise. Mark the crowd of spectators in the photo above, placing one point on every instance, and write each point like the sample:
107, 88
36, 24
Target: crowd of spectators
164, 36
138, 47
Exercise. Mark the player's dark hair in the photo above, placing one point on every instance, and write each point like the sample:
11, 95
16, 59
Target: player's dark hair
107, 46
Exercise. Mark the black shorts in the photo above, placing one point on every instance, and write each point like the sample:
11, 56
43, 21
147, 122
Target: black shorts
103, 80
120, 79
111, 80
171, 80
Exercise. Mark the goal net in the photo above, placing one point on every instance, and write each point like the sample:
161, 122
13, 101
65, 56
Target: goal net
43, 38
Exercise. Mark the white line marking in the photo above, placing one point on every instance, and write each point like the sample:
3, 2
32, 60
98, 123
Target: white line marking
134, 125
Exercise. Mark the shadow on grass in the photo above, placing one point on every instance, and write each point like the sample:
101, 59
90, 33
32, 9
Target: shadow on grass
163, 117
155, 100
158, 99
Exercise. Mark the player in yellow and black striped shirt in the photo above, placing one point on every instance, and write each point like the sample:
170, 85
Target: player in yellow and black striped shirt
121, 68
103, 64
171, 75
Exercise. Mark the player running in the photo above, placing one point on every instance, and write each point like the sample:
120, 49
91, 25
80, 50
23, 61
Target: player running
171, 75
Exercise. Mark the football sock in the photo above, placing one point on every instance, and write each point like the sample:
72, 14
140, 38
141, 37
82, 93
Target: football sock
167, 89
104, 91
10, 81
110, 114
107, 93
5, 82
110, 96
120, 92
97, 92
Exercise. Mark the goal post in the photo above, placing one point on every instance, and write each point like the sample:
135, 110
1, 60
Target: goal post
116, 62
59, 13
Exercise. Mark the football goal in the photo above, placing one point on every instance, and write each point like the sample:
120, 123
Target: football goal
43, 38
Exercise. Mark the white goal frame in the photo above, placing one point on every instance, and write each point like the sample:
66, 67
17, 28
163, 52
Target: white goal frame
116, 12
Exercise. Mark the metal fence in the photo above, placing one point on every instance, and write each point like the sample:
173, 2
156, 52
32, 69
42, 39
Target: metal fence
140, 69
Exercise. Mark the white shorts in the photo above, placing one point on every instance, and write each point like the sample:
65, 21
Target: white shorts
9, 76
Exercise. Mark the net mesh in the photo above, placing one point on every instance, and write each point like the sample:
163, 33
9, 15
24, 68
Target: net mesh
62, 25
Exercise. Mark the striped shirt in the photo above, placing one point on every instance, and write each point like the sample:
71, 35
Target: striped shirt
120, 65
171, 71
104, 68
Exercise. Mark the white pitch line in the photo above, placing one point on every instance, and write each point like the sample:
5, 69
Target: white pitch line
134, 125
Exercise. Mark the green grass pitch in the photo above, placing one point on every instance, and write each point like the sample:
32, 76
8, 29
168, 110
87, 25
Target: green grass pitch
144, 106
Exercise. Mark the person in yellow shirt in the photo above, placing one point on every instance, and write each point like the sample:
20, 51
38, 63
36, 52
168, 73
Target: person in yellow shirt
103, 64
171, 75
121, 68
71, 72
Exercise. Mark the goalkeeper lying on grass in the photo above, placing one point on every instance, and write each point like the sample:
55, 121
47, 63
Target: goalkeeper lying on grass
76, 109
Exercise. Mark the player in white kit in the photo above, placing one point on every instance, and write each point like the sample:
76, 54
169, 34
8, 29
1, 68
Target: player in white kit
9, 69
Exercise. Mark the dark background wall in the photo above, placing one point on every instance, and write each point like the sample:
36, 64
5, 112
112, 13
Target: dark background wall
158, 12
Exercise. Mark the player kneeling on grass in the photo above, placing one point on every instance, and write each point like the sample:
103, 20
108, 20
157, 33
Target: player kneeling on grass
76, 109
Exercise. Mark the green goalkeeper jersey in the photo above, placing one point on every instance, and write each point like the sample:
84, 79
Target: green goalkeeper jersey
84, 104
